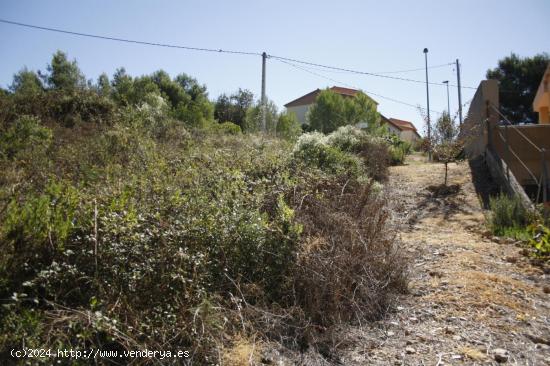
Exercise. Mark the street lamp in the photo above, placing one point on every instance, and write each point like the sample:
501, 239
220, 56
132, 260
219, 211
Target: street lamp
428, 107
448, 102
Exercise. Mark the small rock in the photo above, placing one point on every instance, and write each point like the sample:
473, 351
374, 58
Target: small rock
511, 259
501, 355
449, 331
410, 350
409, 342
390, 333
407, 332
435, 274
524, 252
546, 289
536, 339
413, 319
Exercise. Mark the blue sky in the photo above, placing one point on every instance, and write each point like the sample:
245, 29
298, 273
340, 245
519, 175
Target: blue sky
373, 36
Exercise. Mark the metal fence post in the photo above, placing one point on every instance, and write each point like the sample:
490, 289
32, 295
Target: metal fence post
544, 179
489, 137
507, 152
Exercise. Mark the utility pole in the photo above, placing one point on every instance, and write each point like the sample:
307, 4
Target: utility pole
448, 102
428, 107
459, 92
263, 100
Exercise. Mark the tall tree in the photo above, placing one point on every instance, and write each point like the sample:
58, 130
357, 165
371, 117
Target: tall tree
331, 110
25, 82
123, 86
445, 129
234, 108
253, 118
328, 112
223, 111
103, 85
288, 126
519, 80
64, 74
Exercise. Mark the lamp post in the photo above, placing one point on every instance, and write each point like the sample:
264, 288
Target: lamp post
448, 102
428, 107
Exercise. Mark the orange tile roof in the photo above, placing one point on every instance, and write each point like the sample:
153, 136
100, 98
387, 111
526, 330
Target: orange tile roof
404, 125
390, 122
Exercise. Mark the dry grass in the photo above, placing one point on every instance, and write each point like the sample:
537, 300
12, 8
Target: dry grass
243, 352
350, 267
473, 353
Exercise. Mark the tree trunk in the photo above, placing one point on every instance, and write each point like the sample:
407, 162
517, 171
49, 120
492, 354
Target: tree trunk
446, 164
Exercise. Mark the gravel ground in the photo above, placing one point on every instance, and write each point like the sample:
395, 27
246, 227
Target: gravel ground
474, 299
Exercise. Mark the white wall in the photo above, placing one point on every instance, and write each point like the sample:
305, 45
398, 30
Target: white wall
408, 135
300, 111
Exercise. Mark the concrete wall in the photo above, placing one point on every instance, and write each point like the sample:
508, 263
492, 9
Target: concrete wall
521, 164
300, 111
408, 135
538, 134
474, 128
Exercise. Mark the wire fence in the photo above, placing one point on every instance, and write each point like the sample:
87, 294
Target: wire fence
542, 180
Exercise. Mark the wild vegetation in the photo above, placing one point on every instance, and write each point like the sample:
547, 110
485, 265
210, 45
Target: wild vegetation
135, 213
510, 219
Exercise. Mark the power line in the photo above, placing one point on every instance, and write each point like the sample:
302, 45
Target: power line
358, 72
203, 49
129, 40
353, 86
383, 72
411, 70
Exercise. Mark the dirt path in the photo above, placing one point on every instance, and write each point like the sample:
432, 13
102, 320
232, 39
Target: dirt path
471, 301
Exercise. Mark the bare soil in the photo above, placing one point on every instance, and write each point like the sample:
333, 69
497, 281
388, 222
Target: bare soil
473, 299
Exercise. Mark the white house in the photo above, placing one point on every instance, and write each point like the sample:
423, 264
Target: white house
404, 129
300, 107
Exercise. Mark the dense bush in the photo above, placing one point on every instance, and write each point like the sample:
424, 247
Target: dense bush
25, 135
130, 219
507, 214
349, 267
228, 128
373, 150
313, 150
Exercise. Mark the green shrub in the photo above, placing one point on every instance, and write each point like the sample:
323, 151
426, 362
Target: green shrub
506, 213
313, 150
24, 135
288, 127
397, 155
372, 150
34, 230
228, 128
540, 239
347, 138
